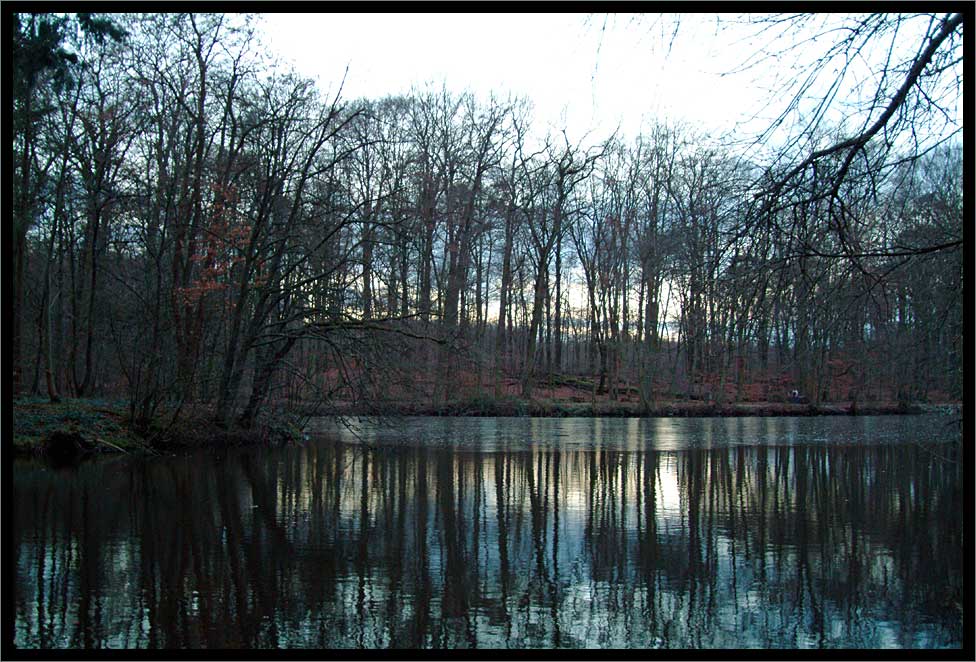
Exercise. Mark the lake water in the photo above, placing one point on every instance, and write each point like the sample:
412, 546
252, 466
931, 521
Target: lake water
496, 533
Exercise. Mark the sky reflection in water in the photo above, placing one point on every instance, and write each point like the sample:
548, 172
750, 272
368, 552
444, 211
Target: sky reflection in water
520, 533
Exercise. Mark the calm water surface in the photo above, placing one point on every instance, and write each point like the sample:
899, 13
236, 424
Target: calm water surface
684, 533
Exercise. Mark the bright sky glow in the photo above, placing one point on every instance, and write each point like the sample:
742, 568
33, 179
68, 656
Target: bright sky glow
578, 71
591, 74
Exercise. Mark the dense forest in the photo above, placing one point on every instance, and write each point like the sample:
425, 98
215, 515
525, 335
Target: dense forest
196, 224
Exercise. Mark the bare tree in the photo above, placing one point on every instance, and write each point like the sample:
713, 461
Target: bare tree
895, 79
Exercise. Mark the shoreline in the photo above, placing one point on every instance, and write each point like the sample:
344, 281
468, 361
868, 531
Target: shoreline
78, 428
671, 409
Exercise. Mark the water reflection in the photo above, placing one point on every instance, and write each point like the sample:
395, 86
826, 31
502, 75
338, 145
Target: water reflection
663, 434
338, 545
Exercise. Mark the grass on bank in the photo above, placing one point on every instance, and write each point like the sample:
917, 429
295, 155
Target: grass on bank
102, 422
102, 426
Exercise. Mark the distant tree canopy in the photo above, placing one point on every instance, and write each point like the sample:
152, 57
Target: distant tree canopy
197, 225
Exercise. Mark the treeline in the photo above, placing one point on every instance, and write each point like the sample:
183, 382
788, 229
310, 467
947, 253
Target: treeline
196, 223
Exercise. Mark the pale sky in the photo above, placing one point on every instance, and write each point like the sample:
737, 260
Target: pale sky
569, 67
587, 73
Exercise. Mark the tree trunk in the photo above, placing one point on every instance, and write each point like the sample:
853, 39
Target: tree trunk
367, 241
22, 223
503, 303
558, 331
264, 371
537, 303
426, 252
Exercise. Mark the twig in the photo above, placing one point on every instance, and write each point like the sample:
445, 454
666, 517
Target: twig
109, 443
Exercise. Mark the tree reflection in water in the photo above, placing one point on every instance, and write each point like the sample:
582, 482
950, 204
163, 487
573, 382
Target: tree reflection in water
337, 545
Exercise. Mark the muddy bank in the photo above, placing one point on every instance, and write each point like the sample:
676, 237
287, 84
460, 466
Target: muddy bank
557, 408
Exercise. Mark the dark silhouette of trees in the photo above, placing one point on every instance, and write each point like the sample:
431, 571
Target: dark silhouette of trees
44, 67
196, 225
